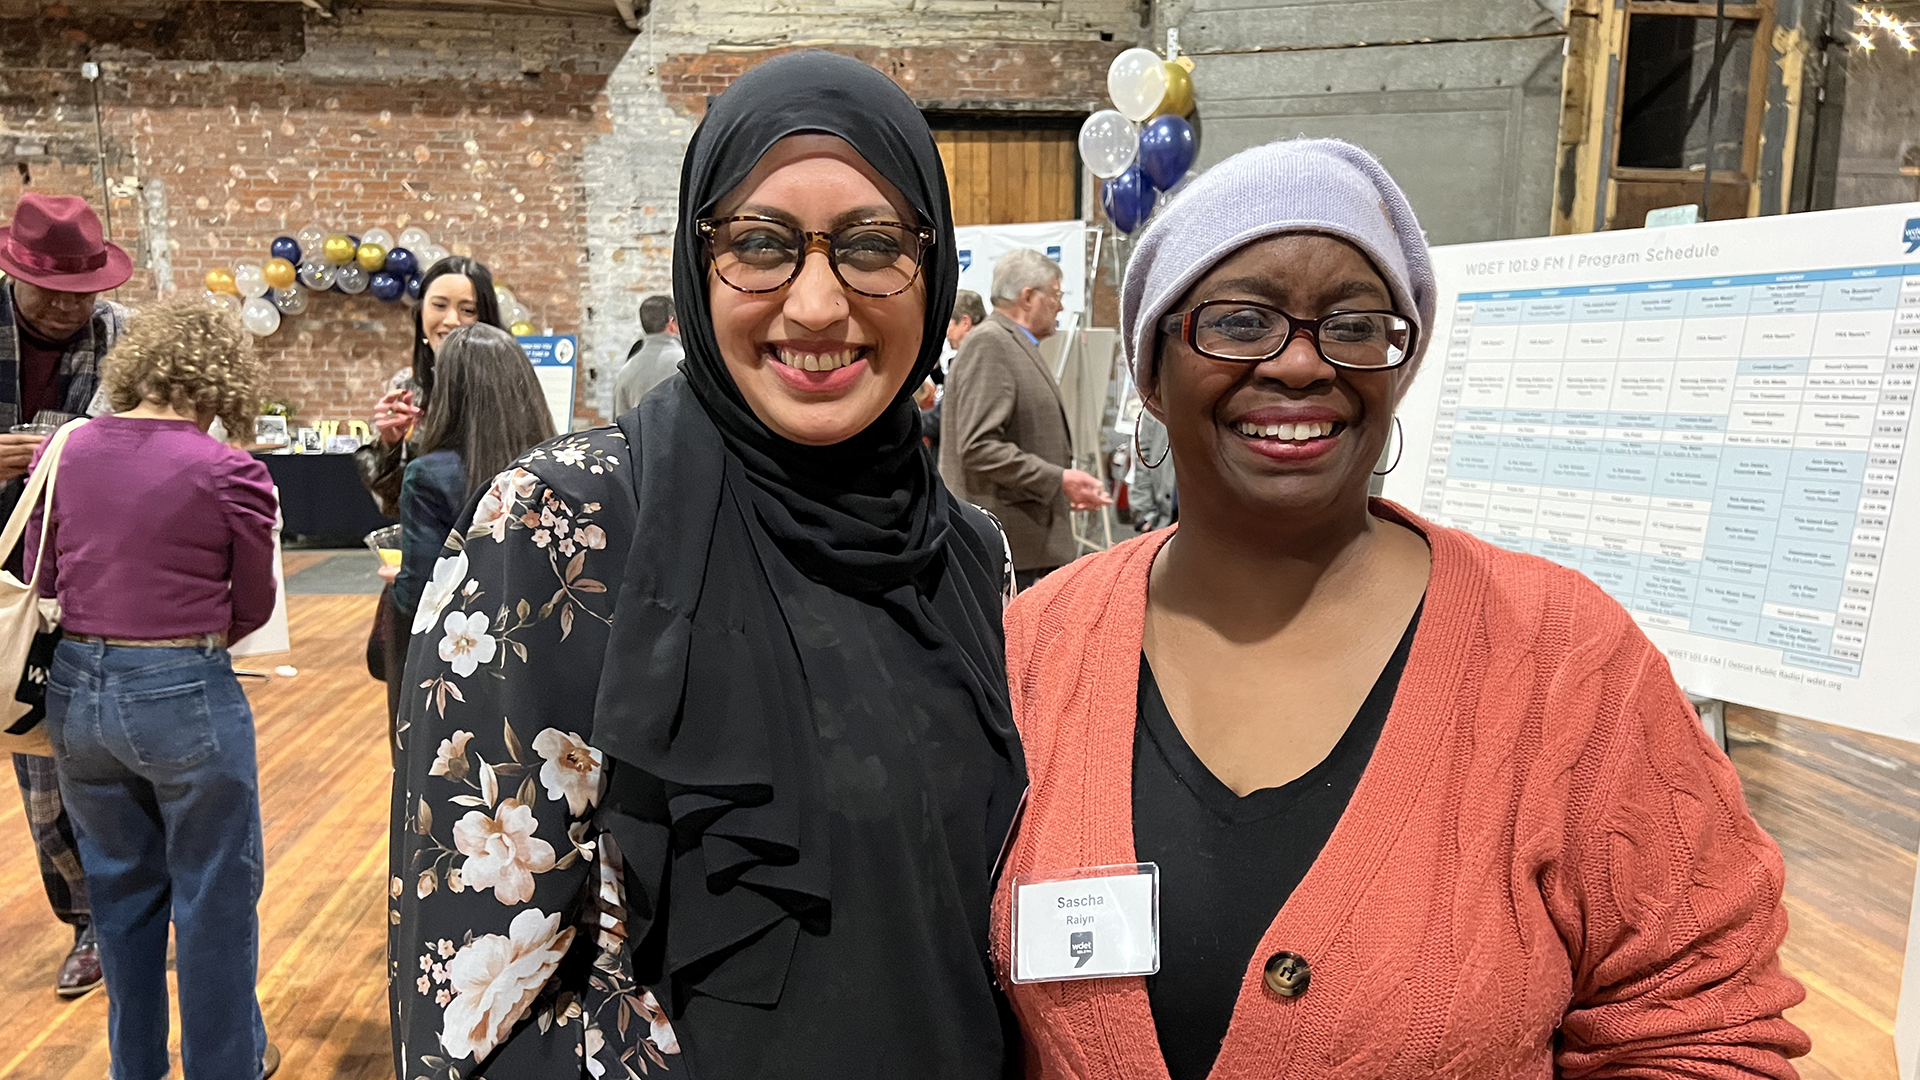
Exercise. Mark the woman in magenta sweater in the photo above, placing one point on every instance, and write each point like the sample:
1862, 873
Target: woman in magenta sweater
1418, 807
161, 552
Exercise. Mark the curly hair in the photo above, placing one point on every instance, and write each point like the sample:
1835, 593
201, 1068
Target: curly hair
191, 354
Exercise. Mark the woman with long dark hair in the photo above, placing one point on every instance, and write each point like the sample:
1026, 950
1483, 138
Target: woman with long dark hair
454, 292
487, 409
709, 756
457, 291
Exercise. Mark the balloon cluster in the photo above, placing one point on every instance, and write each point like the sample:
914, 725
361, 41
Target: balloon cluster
1143, 145
314, 260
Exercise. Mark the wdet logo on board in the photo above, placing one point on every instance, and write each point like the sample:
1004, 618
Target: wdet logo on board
1912, 235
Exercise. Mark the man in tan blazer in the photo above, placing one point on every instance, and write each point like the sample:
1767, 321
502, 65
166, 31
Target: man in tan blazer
1004, 443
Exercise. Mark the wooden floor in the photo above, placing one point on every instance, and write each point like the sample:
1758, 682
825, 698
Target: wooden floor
325, 775
1845, 808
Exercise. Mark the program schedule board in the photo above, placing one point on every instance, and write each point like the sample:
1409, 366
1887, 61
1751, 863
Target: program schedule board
1710, 422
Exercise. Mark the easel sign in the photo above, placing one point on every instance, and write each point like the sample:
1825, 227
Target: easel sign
555, 363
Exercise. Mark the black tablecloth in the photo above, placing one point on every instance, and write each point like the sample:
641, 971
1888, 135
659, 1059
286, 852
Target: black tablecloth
321, 496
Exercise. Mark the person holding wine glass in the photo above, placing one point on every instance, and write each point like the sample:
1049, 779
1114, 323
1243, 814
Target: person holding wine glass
55, 328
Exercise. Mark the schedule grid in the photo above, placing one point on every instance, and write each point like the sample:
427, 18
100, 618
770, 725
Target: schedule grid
1719, 454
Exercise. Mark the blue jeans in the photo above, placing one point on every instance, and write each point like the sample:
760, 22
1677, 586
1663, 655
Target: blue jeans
157, 768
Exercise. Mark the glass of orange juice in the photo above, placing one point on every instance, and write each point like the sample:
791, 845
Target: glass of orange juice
385, 543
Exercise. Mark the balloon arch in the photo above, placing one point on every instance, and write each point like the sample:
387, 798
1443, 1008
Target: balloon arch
316, 261
1143, 146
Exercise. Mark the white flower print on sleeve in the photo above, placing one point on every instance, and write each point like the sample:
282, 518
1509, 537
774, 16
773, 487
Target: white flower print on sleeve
451, 761
571, 770
661, 1030
449, 574
502, 852
496, 978
499, 827
467, 644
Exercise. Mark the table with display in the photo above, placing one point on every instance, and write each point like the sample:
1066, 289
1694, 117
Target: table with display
321, 497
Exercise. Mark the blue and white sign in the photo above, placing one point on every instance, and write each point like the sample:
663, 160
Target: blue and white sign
1710, 422
1065, 242
556, 364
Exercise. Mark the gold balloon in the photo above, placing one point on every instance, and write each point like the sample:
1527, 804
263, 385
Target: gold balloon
372, 257
521, 329
279, 273
1179, 99
221, 281
339, 249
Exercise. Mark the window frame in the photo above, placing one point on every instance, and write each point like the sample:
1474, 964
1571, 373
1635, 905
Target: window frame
1759, 67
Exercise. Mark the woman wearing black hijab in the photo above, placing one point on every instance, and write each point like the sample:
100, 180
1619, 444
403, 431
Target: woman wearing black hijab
757, 764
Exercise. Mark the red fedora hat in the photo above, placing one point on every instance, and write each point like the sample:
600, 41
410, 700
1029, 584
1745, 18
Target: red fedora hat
55, 243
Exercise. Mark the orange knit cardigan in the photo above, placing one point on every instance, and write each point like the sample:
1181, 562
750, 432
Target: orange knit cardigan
1547, 870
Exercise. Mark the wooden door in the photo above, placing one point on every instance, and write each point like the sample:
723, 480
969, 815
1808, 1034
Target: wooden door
1004, 175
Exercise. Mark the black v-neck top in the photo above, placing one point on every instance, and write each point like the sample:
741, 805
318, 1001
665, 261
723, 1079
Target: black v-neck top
1228, 862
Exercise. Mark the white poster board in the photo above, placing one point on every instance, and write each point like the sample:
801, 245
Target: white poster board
273, 637
1084, 361
1065, 242
555, 362
1710, 421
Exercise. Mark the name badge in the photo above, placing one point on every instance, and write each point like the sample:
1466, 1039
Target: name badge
1097, 922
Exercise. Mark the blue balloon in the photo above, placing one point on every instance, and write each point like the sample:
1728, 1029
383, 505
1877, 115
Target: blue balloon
413, 286
385, 286
401, 263
286, 247
1128, 199
1167, 150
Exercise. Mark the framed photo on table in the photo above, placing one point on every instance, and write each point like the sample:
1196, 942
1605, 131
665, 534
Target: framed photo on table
270, 430
311, 441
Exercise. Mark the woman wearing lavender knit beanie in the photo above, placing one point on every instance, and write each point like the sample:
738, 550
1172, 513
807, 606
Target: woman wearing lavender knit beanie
1417, 807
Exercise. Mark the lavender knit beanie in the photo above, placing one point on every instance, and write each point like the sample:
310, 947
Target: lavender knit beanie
1300, 185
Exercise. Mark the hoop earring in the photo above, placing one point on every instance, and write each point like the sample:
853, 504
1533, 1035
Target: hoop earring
1141, 458
1396, 454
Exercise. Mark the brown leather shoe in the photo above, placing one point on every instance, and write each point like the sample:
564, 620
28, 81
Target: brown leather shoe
80, 972
269, 1061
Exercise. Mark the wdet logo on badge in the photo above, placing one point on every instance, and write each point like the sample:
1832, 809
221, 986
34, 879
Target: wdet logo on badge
1912, 235
1080, 947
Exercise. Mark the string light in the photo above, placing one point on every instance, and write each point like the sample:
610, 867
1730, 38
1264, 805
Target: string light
1873, 21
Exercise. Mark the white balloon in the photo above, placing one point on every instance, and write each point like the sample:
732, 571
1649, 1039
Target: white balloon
261, 317
1108, 143
518, 313
1136, 82
505, 296
249, 280
224, 299
350, 279
311, 237
433, 254
317, 274
378, 236
290, 301
414, 238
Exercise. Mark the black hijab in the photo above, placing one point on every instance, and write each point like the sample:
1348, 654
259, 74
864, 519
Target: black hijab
704, 701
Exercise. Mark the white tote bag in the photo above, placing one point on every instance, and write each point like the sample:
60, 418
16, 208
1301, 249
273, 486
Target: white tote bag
23, 613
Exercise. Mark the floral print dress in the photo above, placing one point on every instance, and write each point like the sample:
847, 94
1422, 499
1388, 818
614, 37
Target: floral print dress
508, 921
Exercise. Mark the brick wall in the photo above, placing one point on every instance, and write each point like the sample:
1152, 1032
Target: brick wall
548, 146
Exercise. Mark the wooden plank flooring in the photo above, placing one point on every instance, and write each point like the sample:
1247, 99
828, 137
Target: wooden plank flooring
325, 775
1844, 806
1845, 809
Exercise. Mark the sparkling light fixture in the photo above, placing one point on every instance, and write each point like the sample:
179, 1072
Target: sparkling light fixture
1869, 23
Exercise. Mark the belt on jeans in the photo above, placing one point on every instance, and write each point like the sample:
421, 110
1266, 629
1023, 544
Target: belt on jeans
197, 641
